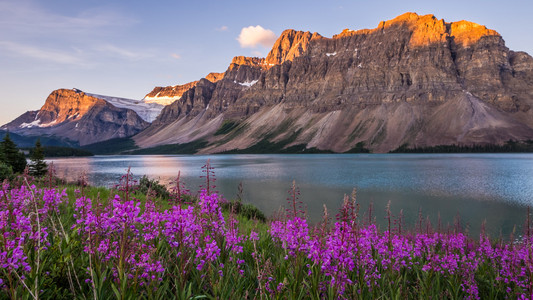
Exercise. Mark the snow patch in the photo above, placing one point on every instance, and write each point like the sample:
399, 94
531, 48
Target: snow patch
360, 65
247, 83
146, 110
163, 100
331, 54
36, 123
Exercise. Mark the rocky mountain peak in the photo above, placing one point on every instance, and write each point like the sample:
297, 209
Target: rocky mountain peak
81, 118
428, 29
289, 45
238, 61
468, 33
65, 104
168, 94
214, 77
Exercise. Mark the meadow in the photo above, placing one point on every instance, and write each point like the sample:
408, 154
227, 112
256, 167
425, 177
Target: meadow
140, 241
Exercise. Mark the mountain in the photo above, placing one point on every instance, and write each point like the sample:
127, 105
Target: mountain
414, 80
80, 118
167, 95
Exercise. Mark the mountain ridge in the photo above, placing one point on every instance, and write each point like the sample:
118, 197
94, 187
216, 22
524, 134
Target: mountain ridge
384, 87
414, 80
81, 118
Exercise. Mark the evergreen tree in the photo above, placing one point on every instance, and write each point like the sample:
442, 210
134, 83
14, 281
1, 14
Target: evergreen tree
6, 172
38, 166
13, 157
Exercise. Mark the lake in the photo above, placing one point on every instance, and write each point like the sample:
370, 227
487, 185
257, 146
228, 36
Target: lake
495, 188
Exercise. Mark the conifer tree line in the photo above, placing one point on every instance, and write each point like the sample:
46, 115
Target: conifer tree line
13, 161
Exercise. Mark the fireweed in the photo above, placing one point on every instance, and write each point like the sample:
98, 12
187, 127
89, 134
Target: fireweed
137, 249
25, 217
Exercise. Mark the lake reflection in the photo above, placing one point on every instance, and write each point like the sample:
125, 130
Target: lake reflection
492, 187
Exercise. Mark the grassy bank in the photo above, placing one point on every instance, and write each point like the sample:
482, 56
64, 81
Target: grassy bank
72, 241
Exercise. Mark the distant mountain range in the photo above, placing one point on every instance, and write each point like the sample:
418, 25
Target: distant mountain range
414, 81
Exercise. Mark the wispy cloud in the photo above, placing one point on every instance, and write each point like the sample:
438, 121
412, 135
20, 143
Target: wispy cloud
30, 31
222, 28
175, 55
46, 55
26, 18
116, 51
252, 36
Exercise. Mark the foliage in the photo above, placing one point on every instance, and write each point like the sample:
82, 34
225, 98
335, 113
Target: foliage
226, 127
85, 242
56, 151
12, 155
359, 148
146, 184
245, 210
6, 172
38, 166
23, 141
509, 146
112, 146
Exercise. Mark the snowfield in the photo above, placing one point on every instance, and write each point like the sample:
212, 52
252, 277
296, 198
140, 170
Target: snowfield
148, 111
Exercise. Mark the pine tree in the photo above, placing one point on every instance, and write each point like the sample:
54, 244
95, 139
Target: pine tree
13, 157
38, 166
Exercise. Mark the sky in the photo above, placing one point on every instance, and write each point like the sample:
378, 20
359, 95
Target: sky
126, 48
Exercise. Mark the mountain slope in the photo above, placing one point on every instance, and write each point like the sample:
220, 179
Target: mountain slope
79, 117
169, 94
413, 80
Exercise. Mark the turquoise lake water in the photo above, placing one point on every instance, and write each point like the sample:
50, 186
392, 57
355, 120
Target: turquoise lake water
496, 188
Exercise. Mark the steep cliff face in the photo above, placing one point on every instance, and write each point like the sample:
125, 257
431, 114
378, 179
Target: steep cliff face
290, 45
413, 80
79, 117
169, 94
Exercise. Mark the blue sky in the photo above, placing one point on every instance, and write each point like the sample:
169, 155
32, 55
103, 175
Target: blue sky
125, 48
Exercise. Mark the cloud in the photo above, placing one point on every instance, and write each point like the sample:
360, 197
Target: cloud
28, 19
175, 55
252, 36
222, 28
122, 53
52, 56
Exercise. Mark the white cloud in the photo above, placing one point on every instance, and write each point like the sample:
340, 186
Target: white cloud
222, 28
252, 36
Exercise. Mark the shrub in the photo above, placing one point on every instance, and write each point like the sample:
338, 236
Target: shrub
160, 190
6, 172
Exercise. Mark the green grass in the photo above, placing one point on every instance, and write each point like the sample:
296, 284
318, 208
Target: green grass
63, 269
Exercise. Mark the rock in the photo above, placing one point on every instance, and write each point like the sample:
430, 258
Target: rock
414, 79
78, 117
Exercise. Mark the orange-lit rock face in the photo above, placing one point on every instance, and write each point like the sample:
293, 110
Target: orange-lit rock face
214, 77
290, 45
467, 33
428, 30
246, 61
66, 104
